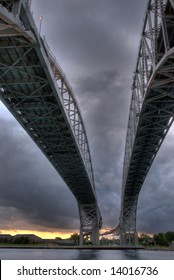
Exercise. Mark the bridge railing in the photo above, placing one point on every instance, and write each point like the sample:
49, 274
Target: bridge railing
72, 109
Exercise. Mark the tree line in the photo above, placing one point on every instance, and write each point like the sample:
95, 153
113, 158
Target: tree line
159, 239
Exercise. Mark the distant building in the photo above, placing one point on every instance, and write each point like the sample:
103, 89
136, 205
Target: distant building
65, 242
31, 238
6, 238
49, 241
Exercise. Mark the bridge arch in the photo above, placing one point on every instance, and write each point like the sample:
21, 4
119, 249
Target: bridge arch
152, 106
36, 91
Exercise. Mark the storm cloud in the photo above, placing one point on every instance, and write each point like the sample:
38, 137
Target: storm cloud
96, 43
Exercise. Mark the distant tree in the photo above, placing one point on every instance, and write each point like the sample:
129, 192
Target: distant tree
160, 239
103, 241
169, 236
75, 237
144, 239
3, 240
107, 241
21, 240
58, 238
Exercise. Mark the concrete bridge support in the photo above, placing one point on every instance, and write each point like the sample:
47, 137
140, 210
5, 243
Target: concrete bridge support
92, 236
89, 224
129, 238
95, 235
81, 240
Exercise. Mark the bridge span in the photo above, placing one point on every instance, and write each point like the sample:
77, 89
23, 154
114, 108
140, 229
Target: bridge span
152, 107
36, 91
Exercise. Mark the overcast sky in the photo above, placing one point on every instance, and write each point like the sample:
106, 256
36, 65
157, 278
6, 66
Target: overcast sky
96, 43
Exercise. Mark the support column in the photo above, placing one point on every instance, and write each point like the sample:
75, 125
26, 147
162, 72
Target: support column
129, 238
81, 236
128, 233
89, 222
122, 237
95, 235
135, 238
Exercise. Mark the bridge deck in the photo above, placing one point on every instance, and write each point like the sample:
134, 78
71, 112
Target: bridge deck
152, 105
29, 87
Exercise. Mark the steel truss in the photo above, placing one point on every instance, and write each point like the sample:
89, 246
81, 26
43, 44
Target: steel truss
152, 105
36, 91
88, 221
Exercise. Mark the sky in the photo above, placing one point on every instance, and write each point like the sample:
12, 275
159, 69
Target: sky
96, 43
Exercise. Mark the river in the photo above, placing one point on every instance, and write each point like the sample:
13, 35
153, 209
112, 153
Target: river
75, 254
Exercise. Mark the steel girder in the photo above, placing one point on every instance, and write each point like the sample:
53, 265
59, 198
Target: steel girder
36, 91
152, 104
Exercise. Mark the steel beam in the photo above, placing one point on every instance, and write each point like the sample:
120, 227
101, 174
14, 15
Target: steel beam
36, 91
151, 109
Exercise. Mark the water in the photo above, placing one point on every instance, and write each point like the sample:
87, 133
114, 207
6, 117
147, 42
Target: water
62, 254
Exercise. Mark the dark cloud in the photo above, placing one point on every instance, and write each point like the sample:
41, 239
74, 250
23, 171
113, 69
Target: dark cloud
29, 185
96, 43
156, 208
102, 100
91, 34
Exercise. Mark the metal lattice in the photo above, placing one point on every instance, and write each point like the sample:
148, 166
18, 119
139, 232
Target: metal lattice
152, 104
36, 91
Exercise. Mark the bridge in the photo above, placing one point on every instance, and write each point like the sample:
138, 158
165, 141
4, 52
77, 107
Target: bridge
37, 93
151, 110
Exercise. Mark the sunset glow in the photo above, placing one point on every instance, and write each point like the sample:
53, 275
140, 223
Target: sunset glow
44, 235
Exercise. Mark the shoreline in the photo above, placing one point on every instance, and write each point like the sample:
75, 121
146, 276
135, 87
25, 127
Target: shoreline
74, 247
89, 248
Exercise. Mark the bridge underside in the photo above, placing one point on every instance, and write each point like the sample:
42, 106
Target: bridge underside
36, 92
152, 106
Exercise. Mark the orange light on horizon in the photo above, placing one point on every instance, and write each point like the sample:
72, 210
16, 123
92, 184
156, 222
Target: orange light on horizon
42, 234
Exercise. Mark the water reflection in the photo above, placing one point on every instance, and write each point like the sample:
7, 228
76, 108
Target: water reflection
130, 255
61, 254
88, 255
